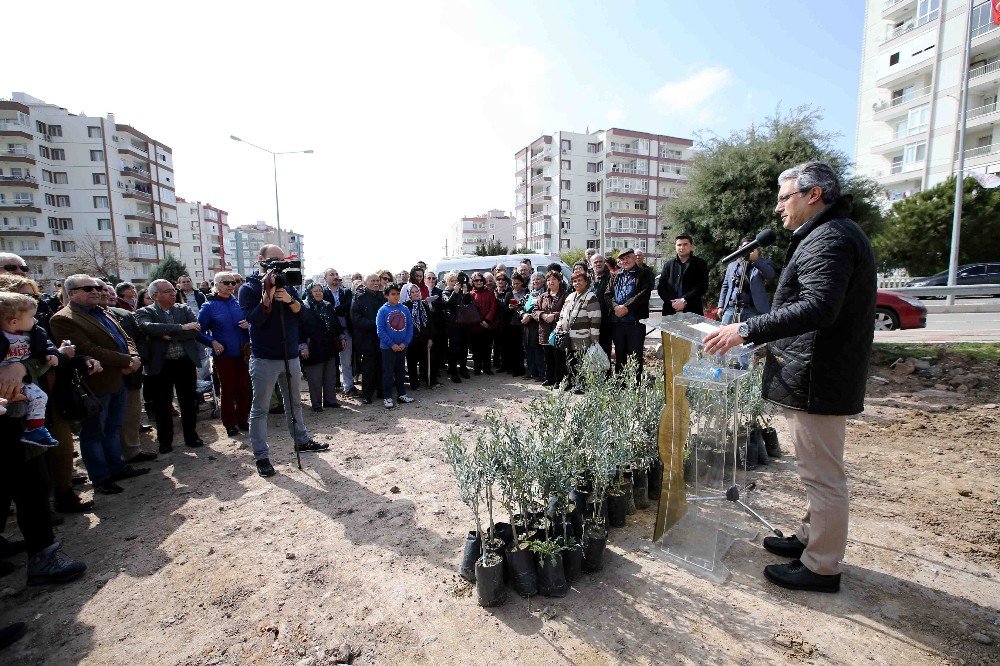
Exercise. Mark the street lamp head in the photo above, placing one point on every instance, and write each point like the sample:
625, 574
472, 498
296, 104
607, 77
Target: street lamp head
307, 151
235, 138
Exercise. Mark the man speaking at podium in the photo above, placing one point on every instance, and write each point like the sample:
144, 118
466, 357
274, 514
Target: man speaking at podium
819, 334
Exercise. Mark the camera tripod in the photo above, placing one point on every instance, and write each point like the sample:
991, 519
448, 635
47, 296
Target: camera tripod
288, 384
733, 495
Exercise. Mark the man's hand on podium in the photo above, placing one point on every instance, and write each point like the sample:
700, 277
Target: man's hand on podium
723, 339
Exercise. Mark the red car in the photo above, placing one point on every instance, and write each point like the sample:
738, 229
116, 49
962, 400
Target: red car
897, 311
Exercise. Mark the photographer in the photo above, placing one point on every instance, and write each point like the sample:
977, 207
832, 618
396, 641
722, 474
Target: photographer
273, 310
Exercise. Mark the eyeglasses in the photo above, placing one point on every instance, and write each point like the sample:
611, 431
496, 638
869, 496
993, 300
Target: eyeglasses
10, 268
432, 279
228, 283
785, 197
87, 288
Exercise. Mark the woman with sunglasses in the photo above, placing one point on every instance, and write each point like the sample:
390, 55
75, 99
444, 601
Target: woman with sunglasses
481, 334
222, 320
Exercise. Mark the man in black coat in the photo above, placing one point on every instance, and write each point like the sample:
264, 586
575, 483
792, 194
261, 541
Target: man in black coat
820, 335
363, 311
683, 280
341, 297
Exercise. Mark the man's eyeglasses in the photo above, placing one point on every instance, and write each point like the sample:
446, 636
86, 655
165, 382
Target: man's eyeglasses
229, 283
10, 268
785, 197
87, 288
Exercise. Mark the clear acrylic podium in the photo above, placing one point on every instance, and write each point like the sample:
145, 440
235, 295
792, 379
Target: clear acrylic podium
703, 437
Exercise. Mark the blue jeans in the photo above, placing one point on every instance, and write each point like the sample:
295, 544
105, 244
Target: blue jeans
264, 372
393, 370
729, 316
100, 439
535, 360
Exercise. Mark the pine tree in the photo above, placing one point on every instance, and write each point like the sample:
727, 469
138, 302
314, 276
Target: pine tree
169, 268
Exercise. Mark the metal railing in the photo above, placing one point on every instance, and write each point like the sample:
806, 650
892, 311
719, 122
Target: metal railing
11, 124
985, 28
131, 169
25, 179
17, 151
617, 168
903, 99
982, 111
957, 290
980, 151
540, 156
910, 25
889, 4
983, 70
907, 167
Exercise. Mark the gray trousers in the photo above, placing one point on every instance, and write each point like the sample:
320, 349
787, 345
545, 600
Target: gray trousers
322, 380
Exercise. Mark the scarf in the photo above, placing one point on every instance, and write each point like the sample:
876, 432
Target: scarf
418, 312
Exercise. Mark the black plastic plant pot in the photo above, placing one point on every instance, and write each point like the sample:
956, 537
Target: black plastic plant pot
640, 488
629, 498
577, 518
655, 478
579, 499
517, 520
757, 437
551, 575
771, 444
490, 589
504, 532
521, 570
470, 554
537, 519
593, 553
573, 562
617, 510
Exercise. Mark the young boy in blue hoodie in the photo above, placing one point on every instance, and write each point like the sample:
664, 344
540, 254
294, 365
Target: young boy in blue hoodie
395, 331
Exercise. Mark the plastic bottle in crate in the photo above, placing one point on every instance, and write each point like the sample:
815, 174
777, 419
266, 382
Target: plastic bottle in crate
703, 369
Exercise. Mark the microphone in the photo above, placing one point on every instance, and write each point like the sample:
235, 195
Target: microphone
764, 238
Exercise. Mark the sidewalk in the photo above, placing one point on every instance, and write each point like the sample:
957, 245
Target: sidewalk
932, 336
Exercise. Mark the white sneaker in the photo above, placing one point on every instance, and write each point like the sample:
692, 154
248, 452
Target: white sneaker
406, 399
387, 403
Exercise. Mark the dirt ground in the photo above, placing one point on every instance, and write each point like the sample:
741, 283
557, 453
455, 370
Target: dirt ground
355, 557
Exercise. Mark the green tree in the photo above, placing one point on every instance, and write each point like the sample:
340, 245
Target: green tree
734, 183
491, 249
571, 256
522, 250
917, 230
168, 268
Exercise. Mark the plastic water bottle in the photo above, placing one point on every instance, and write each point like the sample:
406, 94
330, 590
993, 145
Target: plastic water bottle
702, 369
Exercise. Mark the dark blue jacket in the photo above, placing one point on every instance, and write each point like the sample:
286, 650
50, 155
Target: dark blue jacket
265, 327
761, 271
220, 320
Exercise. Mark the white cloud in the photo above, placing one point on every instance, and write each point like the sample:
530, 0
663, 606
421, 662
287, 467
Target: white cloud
687, 95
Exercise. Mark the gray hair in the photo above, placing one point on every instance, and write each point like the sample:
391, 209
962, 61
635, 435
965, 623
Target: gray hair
537, 274
154, 289
70, 283
450, 275
814, 174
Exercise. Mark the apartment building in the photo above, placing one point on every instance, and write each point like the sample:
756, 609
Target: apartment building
909, 101
204, 230
247, 240
82, 192
596, 190
470, 232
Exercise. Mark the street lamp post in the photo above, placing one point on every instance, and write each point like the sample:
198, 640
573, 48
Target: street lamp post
274, 161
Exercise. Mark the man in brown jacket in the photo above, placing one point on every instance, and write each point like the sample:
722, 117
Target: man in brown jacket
99, 336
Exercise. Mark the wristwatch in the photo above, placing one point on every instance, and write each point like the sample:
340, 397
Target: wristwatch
744, 331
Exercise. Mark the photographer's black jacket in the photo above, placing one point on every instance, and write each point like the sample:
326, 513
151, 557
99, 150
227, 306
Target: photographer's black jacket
265, 327
820, 326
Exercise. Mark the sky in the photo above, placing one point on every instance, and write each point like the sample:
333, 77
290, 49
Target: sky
414, 110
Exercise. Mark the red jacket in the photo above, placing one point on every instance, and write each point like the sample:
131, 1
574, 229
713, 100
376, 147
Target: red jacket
486, 301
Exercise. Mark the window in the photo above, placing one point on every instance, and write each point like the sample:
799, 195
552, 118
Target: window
61, 224
197, 262
97, 156
62, 201
591, 244
593, 186
60, 177
47, 176
567, 145
894, 59
564, 205
103, 224
44, 152
565, 224
591, 147
168, 234
55, 130
565, 184
50, 200
593, 206
591, 167
99, 178
41, 127
567, 165
58, 154
592, 224
100, 202
564, 243
94, 132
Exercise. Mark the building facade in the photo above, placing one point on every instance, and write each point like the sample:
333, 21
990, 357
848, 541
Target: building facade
909, 100
204, 230
470, 232
84, 193
247, 239
597, 190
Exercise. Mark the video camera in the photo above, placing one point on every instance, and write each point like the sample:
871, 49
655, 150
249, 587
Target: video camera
285, 272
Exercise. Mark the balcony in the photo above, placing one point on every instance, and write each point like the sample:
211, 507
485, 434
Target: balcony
129, 147
17, 154
135, 171
909, 26
981, 151
980, 30
984, 75
896, 9
625, 189
135, 192
887, 108
540, 157
898, 137
621, 168
982, 115
624, 148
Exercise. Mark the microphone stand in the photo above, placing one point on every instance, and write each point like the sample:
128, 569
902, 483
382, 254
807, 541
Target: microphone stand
744, 264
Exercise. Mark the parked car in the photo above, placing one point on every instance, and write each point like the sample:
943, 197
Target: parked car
471, 263
968, 274
894, 311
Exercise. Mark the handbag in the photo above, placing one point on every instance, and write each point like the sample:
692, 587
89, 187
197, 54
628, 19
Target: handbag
78, 402
468, 314
559, 338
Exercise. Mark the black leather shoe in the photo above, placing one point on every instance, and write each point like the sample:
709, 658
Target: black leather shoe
245, 427
264, 468
312, 446
108, 488
332, 405
145, 428
784, 546
233, 431
141, 458
166, 448
130, 473
456, 379
195, 443
796, 576
79, 479
70, 502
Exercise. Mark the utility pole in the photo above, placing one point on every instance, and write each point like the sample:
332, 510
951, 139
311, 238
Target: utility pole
956, 222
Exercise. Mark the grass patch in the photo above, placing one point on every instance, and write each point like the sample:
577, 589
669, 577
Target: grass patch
885, 353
